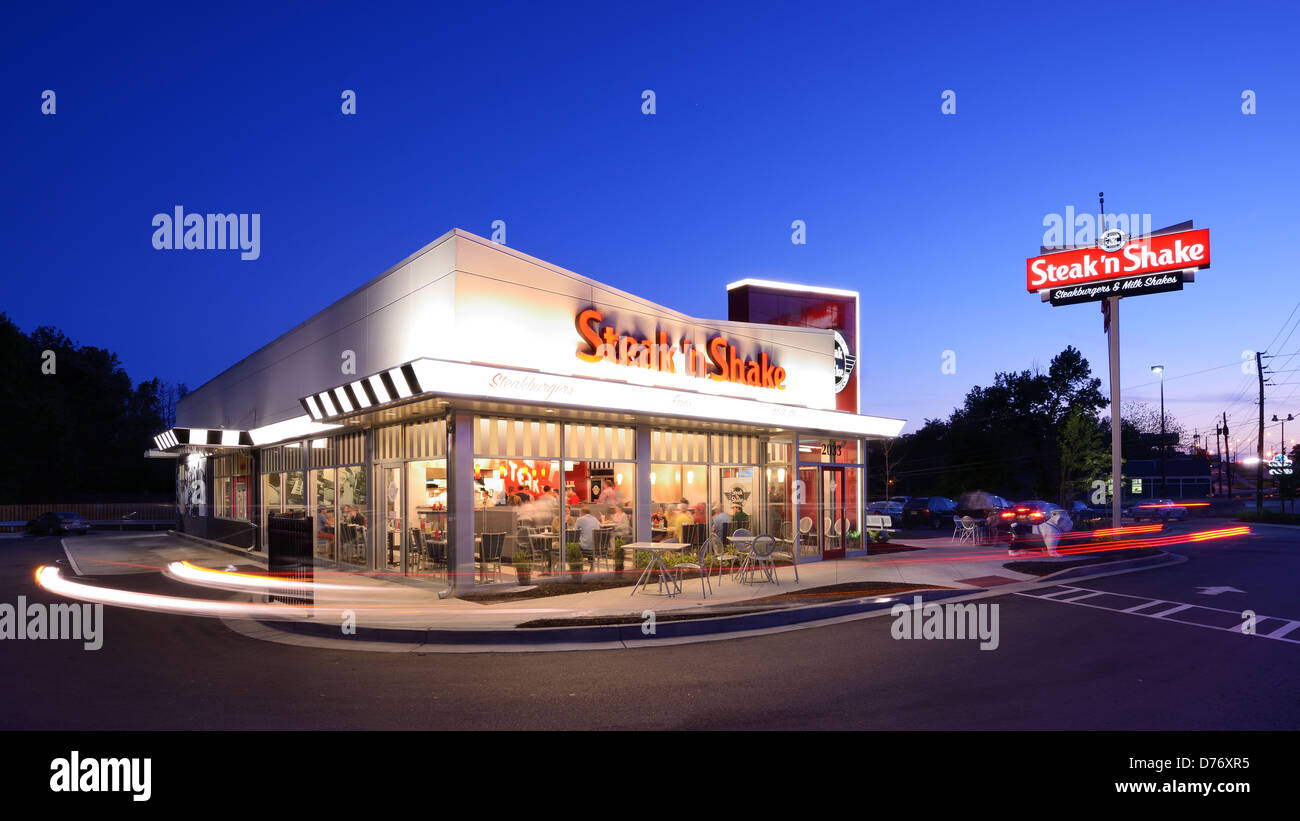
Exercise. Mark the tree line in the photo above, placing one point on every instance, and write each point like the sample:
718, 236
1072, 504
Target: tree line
1031, 434
75, 425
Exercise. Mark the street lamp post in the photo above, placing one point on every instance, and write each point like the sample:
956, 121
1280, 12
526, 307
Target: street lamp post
1281, 503
1164, 477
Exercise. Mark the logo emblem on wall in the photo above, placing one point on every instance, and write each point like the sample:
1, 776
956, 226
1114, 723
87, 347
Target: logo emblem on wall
844, 362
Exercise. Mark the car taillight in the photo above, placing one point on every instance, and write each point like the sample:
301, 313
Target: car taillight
1022, 510
1035, 515
927, 510
1007, 514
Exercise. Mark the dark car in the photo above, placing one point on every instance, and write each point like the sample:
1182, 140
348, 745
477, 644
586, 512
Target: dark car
929, 511
1022, 523
1088, 518
53, 523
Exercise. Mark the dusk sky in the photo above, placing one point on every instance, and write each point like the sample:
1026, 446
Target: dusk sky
765, 114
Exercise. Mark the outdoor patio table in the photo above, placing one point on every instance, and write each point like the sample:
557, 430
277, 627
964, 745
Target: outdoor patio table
744, 544
656, 549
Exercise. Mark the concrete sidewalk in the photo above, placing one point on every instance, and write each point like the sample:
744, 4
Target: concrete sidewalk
379, 602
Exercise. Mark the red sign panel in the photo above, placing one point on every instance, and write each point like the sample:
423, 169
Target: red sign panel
1138, 257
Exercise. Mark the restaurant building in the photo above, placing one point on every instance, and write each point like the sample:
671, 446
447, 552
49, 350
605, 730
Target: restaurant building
427, 412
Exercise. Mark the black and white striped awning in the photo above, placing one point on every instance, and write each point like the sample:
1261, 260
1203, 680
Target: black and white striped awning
176, 439
383, 388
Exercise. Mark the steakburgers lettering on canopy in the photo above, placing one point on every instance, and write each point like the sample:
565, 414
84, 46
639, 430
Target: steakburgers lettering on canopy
1146, 255
719, 360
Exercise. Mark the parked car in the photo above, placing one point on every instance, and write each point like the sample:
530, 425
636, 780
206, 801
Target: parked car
1023, 523
929, 511
1163, 510
980, 505
53, 523
1087, 518
894, 510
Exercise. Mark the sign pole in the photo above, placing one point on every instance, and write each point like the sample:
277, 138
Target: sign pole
1112, 339
1117, 482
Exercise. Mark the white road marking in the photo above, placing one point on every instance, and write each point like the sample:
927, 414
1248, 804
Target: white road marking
1214, 591
75, 568
1164, 615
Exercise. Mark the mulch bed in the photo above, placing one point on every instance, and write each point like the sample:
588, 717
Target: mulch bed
1044, 568
814, 595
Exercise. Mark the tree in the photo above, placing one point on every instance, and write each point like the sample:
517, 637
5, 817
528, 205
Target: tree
1084, 454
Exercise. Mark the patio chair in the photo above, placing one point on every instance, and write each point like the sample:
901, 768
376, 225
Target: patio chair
761, 557
718, 549
969, 529
805, 528
792, 555
701, 557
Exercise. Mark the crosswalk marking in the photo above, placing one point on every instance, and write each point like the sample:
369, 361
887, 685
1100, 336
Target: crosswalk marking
1167, 610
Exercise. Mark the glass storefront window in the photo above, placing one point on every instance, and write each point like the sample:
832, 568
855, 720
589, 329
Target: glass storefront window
734, 503
427, 518
680, 496
295, 493
323, 484
353, 515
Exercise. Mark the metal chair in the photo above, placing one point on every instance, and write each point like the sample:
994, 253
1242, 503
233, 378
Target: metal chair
415, 550
489, 551
969, 529
718, 549
792, 555
694, 534
805, 528
604, 540
761, 557
701, 556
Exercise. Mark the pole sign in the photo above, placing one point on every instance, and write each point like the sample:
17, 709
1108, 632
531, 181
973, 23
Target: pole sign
1115, 259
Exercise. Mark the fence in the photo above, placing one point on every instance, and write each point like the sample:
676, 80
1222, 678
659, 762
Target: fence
117, 514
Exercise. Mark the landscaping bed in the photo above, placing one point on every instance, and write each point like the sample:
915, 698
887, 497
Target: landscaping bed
1045, 568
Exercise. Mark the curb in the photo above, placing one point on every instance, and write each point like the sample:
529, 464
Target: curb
625, 634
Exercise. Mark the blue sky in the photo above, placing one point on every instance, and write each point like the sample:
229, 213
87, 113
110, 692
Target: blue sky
765, 114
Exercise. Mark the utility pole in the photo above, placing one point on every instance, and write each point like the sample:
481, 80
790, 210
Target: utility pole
1259, 466
1227, 448
1219, 453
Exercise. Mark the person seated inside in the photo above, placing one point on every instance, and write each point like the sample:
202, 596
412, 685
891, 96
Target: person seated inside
587, 525
681, 517
622, 524
697, 514
721, 519
658, 520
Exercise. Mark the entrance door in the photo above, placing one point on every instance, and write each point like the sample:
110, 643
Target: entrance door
834, 522
388, 547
